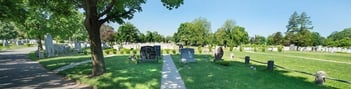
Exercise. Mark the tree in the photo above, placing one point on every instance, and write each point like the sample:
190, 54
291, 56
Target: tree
275, 39
339, 39
259, 40
96, 14
226, 33
297, 26
184, 33
153, 37
317, 39
240, 35
127, 33
304, 38
107, 33
194, 33
8, 31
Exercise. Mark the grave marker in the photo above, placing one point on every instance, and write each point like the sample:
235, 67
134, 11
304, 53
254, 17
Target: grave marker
187, 55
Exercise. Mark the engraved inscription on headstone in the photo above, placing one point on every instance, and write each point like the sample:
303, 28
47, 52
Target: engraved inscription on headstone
148, 53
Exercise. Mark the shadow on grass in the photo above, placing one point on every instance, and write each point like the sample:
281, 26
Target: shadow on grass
121, 74
57, 62
206, 74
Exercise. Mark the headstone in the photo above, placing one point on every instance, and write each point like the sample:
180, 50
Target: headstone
158, 50
148, 53
39, 54
180, 47
18, 43
49, 49
218, 54
5, 43
247, 59
320, 77
232, 56
270, 65
77, 46
187, 55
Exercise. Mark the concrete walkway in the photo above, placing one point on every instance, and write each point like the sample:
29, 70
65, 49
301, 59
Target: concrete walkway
170, 76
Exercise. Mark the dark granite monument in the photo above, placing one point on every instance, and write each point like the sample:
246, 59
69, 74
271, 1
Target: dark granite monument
219, 54
148, 54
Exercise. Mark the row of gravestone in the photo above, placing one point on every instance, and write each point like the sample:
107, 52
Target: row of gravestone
52, 49
187, 55
6, 43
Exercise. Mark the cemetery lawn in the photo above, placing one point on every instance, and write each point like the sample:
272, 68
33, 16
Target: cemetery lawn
57, 62
206, 74
120, 74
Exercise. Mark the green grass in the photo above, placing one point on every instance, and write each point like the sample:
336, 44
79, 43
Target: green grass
206, 74
57, 62
121, 74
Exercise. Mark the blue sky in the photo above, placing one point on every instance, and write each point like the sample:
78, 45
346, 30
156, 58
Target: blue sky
261, 17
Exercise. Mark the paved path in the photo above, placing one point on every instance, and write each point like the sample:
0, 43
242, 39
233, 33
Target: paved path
170, 76
19, 72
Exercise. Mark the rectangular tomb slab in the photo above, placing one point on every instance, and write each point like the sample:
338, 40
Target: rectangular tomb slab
187, 55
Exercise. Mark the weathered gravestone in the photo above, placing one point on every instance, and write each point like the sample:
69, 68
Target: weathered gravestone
218, 54
18, 43
78, 46
270, 65
148, 54
187, 55
5, 43
49, 49
320, 77
247, 59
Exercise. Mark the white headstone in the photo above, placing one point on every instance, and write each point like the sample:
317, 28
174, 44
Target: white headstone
5, 43
77, 46
49, 49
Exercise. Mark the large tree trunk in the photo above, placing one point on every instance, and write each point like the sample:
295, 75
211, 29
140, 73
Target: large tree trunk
92, 25
40, 45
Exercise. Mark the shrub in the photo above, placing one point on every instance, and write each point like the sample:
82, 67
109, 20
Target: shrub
174, 51
210, 48
263, 48
107, 51
241, 48
114, 51
85, 52
121, 51
135, 52
61, 41
224, 63
199, 49
28, 45
167, 51
231, 48
127, 51
280, 48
